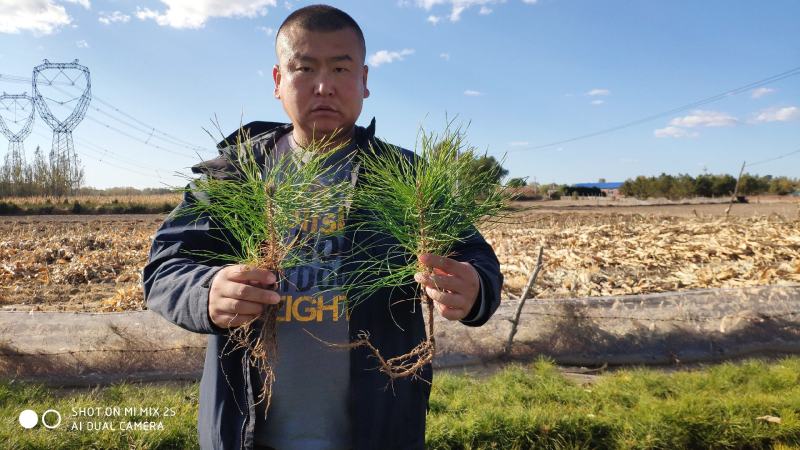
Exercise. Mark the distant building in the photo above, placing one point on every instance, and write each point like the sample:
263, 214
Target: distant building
607, 189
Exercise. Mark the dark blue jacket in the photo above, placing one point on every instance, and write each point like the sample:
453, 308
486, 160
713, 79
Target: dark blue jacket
176, 285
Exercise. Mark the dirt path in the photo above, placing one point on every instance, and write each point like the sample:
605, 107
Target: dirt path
787, 207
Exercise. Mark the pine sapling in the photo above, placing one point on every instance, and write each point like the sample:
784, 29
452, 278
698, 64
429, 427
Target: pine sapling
428, 203
261, 209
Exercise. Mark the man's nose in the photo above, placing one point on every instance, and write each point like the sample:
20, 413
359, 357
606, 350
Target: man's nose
324, 85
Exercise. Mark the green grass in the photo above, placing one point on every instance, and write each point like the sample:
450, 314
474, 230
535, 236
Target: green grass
520, 407
179, 430
535, 407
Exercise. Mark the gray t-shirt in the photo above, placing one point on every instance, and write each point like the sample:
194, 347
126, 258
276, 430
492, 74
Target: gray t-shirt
309, 407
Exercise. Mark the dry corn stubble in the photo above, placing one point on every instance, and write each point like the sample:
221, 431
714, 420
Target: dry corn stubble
607, 255
94, 264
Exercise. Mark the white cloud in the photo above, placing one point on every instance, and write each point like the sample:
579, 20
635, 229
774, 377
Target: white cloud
428, 4
84, 3
195, 13
114, 17
673, 132
146, 13
697, 118
455, 13
530, 2
269, 31
760, 92
701, 118
386, 57
433, 19
598, 102
778, 115
82, 44
471, 93
457, 7
445, 56
260, 73
596, 92
37, 16
518, 143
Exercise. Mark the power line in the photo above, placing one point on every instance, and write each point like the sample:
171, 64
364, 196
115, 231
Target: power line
105, 156
102, 160
714, 98
155, 132
106, 151
24, 80
764, 161
149, 131
128, 135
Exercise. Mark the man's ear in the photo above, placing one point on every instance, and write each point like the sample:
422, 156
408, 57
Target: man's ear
276, 77
366, 89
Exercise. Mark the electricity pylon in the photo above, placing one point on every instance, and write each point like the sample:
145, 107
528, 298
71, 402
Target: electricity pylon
18, 109
49, 76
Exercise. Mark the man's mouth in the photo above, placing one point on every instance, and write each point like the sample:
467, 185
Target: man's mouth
323, 108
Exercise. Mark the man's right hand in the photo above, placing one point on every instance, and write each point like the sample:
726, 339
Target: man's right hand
238, 295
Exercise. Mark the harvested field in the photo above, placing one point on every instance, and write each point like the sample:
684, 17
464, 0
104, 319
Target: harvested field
89, 263
93, 263
604, 255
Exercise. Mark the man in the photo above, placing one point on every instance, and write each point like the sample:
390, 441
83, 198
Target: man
322, 398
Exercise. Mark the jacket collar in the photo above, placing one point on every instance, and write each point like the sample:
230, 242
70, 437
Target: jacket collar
275, 130
262, 136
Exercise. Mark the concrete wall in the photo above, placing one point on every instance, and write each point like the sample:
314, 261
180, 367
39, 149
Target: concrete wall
668, 328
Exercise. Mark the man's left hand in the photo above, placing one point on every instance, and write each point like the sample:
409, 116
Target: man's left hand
453, 285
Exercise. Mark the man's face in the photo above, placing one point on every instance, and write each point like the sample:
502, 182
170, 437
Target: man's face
321, 80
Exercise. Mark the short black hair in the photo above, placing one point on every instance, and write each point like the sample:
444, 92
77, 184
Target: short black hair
322, 18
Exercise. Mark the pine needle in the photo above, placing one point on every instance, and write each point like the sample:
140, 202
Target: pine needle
428, 203
262, 209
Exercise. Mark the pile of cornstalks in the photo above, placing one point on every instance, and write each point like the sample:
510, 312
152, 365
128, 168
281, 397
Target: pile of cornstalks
603, 255
95, 265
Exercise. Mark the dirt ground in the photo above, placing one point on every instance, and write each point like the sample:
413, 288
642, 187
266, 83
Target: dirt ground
787, 207
93, 263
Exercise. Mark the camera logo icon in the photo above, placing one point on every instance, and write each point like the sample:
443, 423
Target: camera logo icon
50, 419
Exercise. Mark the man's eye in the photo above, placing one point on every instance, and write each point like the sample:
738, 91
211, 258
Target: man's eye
304, 69
340, 69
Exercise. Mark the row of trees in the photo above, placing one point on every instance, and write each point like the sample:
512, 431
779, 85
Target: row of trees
56, 175
686, 186
672, 187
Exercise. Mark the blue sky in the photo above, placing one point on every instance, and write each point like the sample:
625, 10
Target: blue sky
522, 74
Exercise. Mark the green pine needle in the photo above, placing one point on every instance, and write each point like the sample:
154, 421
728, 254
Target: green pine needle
267, 202
428, 204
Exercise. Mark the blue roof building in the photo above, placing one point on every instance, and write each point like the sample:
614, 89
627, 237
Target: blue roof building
612, 185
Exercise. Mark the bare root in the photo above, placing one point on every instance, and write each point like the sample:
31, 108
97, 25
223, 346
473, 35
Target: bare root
263, 353
407, 365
